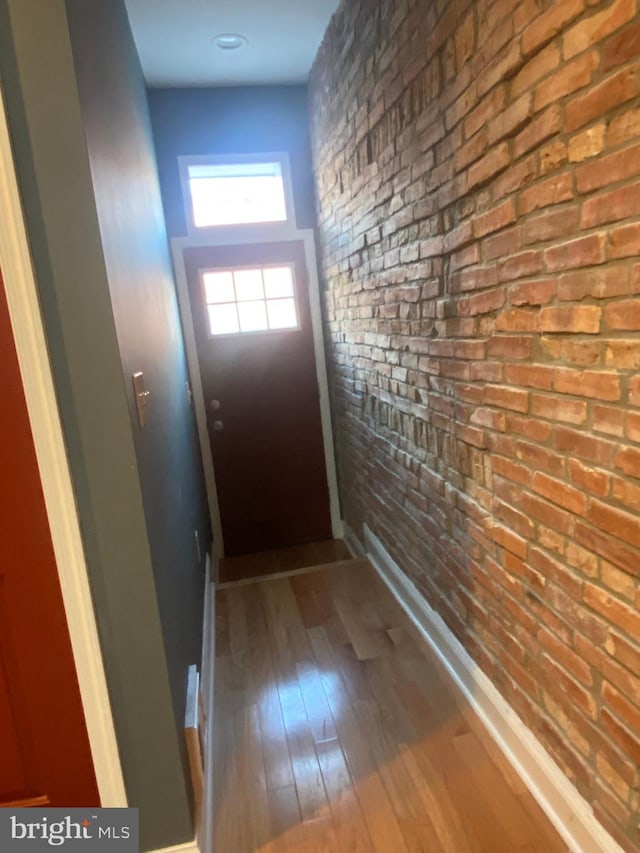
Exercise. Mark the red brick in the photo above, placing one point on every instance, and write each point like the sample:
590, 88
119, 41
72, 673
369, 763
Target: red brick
608, 170
507, 539
540, 457
628, 460
628, 713
622, 48
597, 27
472, 151
532, 429
532, 376
552, 156
608, 420
520, 265
551, 22
611, 206
535, 292
517, 320
514, 399
623, 651
588, 383
476, 278
617, 581
465, 40
611, 549
632, 426
551, 224
506, 243
584, 446
628, 742
615, 807
486, 109
582, 560
616, 90
559, 493
482, 303
588, 143
583, 319
623, 314
510, 346
624, 127
495, 219
515, 177
554, 190
601, 283
537, 68
512, 119
625, 493
511, 470
493, 162
617, 522
581, 252
558, 408
571, 77
591, 481
547, 124
624, 241
501, 67
562, 681
600, 601
565, 656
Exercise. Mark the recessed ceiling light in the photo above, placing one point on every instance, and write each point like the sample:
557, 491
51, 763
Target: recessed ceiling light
229, 41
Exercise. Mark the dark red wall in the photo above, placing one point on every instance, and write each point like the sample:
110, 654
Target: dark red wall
38, 665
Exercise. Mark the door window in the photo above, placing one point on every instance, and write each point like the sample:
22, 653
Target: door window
255, 299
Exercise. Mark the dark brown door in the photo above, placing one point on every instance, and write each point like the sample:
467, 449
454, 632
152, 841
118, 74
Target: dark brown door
44, 749
252, 321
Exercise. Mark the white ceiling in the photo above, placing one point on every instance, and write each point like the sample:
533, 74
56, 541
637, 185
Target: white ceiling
174, 40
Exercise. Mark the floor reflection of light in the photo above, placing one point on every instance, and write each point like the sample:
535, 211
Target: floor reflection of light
297, 701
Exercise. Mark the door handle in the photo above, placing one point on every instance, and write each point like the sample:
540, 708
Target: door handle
218, 426
215, 405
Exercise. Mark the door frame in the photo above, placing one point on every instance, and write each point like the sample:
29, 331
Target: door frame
251, 235
30, 341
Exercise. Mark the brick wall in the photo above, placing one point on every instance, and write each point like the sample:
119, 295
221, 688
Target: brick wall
478, 177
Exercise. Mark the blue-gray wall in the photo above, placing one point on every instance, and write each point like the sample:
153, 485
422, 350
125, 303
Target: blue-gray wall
241, 120
79, 121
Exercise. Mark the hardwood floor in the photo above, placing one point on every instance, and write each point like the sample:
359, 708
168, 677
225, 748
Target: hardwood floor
264, 563
336, 730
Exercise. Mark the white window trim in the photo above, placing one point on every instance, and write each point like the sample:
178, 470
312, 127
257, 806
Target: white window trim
260, 229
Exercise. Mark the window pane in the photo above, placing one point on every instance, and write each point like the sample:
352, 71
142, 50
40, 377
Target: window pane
237, 200
253, 316
278, 282
248, 285
223, 319
282, 314
219, 286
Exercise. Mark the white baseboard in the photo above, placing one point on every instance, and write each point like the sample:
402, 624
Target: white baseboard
568, 811
205, 829
352, 542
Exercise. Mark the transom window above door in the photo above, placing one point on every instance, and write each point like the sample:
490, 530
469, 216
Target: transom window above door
256, 299
236, 190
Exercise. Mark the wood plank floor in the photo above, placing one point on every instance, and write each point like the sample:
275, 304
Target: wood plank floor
337, 731
282, 560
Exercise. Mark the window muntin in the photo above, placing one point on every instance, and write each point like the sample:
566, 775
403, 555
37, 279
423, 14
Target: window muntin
250, 299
